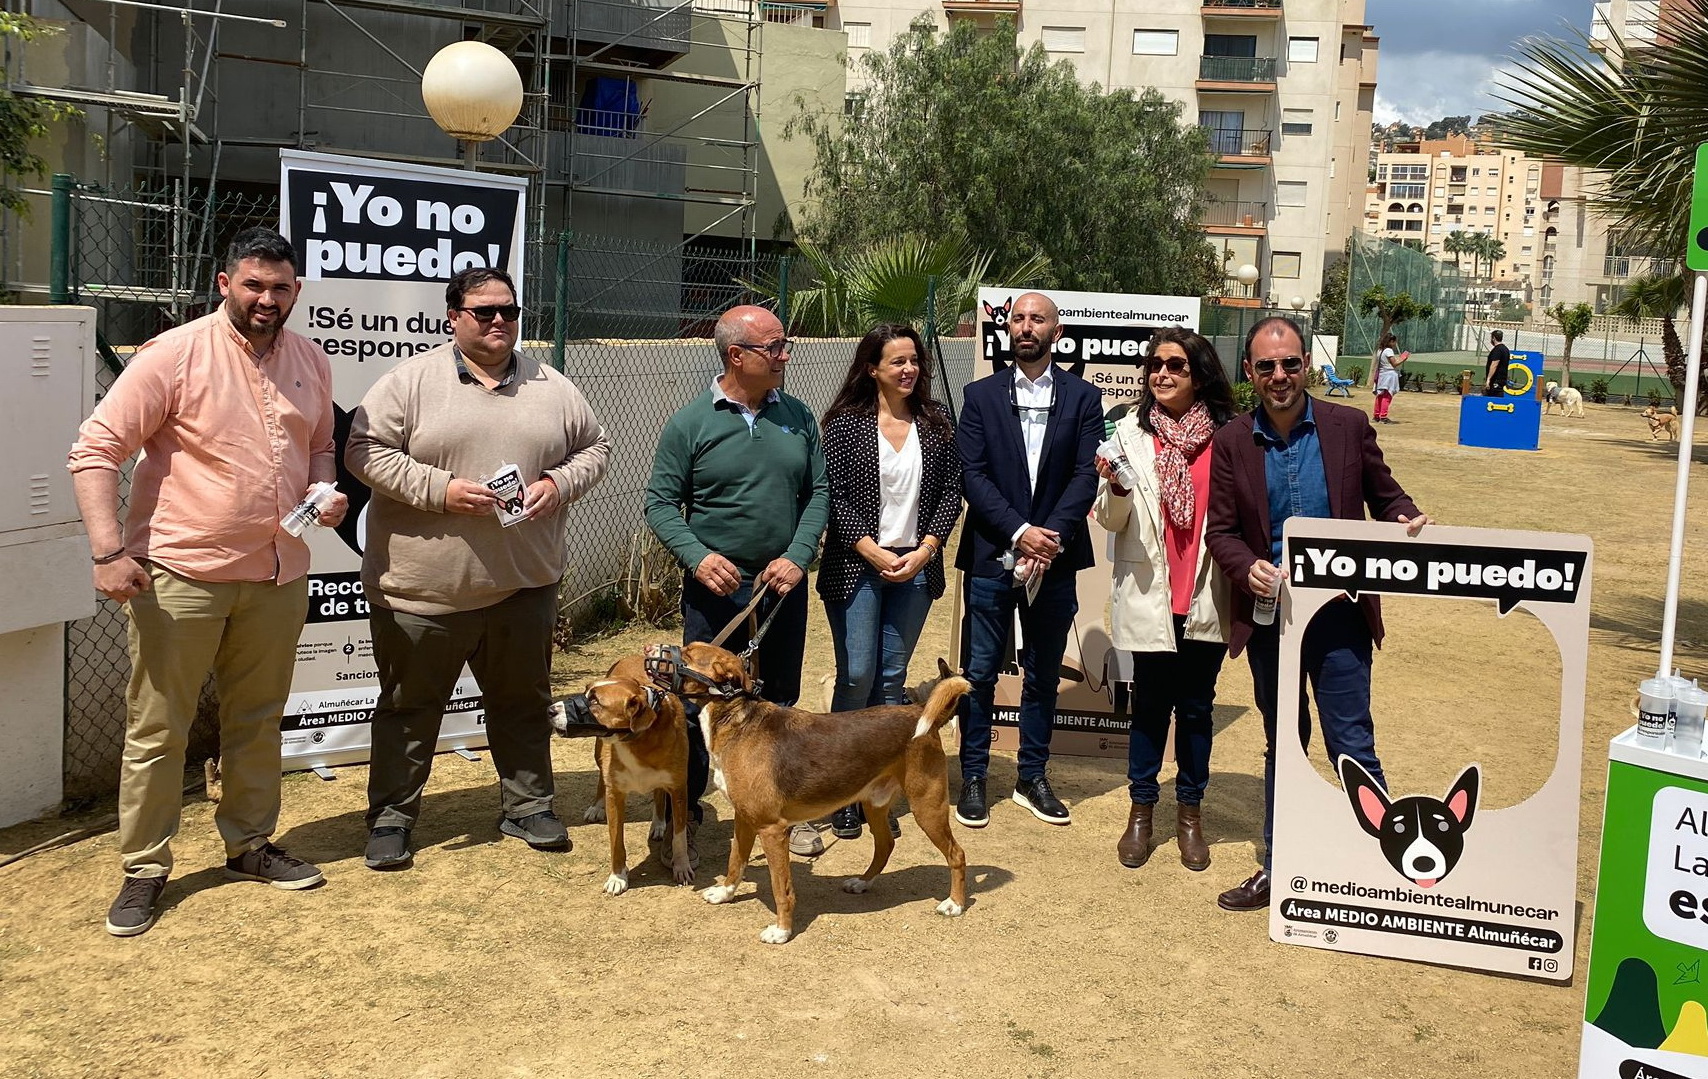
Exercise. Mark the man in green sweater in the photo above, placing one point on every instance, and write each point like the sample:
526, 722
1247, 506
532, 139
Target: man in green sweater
739, 496
448, 578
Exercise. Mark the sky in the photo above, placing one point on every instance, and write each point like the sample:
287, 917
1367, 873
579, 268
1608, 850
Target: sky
1439, 57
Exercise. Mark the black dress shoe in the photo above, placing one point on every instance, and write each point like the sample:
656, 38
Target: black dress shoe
971, 809
1250, 894
845, 822
1036, 795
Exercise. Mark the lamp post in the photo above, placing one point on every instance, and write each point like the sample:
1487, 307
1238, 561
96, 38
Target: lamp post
473, 92
1297, 303
1247, 275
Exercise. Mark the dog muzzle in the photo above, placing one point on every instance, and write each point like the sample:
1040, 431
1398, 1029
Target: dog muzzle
665, 667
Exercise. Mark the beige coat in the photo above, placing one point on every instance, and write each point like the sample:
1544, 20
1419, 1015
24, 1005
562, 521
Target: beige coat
1140, 607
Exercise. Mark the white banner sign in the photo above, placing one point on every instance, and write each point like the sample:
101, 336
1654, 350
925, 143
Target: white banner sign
378, 242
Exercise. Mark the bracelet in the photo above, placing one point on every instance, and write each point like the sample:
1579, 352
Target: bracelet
108, 559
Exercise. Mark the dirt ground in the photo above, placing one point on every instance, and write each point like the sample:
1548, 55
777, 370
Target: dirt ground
489, 959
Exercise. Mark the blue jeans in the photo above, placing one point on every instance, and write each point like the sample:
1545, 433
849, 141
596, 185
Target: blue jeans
777, 662
874, 631
1335, 660
1044, 625
1182, 682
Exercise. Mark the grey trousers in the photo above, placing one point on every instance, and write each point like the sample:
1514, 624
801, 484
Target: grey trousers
508, 648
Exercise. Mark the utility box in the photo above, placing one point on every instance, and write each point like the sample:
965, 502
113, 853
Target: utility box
47, 379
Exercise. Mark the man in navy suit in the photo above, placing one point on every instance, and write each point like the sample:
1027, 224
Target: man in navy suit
1027, 437
1296, 456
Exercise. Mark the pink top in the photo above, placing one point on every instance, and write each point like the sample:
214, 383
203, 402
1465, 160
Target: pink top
1181, 546
230, 444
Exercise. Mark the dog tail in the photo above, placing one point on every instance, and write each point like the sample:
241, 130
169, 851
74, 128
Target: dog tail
940, 706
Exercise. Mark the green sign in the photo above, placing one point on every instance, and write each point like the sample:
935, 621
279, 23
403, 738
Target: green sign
1696, 251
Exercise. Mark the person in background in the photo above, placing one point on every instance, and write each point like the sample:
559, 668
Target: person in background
895, 495
1388, 364
233, 413
1500, 358
1170, 601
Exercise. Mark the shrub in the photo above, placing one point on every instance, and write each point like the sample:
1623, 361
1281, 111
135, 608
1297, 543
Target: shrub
1245, 396
1598, 391
1658, 399
1358, 376
1440, 382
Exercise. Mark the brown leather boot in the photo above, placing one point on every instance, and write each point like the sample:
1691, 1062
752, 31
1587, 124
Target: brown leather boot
1189, 833
1134, 849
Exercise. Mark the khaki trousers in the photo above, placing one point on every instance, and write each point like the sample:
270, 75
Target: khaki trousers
246, 633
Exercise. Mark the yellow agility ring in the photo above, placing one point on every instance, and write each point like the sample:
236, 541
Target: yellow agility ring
1513, 386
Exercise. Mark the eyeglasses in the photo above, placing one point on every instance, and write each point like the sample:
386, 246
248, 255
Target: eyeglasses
487, 312
1292, 365
1176, 365
773, 349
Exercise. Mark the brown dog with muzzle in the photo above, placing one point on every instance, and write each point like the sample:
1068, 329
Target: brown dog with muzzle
781, 765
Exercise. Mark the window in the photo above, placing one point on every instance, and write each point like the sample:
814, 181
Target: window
859, 34
1156, 42
1295, 121
1406, 191
1301, 50
854, 105
1394, 225
1289, 193
1476, 172
1415, 208
1284, 264
1396, 207
1064, 38
1337, 110
1381, 172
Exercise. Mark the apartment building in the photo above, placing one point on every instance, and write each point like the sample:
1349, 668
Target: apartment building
1284, 89
1425, 190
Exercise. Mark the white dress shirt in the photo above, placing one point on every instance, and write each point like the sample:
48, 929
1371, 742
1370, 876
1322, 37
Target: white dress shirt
1035, 398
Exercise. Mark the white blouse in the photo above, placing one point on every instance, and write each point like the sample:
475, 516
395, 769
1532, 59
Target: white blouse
898, 488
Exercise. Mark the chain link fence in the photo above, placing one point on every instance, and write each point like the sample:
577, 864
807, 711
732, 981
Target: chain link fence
1397, 268
629, 322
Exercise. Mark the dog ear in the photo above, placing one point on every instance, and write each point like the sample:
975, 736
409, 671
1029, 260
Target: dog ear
1461, 800
1369, 802
989, 311
943, 670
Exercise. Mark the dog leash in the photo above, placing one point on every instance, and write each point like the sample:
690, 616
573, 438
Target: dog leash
755, 627
746, 613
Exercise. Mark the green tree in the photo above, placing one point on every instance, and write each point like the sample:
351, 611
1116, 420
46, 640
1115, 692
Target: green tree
23, 119
963, 133
1574, 323
1332, 320
1659, 297
1456, 243
1393, 308
847, 294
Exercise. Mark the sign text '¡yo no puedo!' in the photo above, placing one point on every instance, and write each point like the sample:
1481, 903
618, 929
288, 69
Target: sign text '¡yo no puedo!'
358, 204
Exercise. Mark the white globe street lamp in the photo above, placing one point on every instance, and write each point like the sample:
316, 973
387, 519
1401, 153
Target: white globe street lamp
473, 92
1297, 303
1247, 275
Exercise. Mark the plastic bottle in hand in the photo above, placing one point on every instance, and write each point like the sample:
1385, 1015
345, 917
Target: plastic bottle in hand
1263, 606
307, 512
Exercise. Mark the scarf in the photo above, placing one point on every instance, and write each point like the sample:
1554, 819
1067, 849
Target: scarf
1181, 440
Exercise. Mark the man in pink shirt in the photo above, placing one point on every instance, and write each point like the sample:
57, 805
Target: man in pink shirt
233, 415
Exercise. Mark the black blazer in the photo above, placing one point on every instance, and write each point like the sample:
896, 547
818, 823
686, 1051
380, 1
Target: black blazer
1236, 525
851, 462
994, 454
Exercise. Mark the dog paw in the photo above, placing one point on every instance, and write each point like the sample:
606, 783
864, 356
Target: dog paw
856, 885
660, 828
616, 884
594, 814
949, 909
719, 893
682, 872
775, 934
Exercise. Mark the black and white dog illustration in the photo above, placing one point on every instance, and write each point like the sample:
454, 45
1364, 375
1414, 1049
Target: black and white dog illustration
1422, 837
999, 315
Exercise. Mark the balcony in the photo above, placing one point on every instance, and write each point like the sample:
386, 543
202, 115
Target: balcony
1236, 294
974, 7
1237, 74
633, 33
1239, 146
1242, 9
1237, 218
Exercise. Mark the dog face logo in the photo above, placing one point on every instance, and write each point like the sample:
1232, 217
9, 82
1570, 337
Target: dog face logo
999, 315
1422, 837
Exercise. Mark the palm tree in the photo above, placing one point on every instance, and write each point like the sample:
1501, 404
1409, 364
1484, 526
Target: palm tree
1458, 242
1494, 251
1659, 297
1638, 124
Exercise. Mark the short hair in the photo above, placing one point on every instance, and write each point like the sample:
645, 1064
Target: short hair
726, 333
1496, 335
1267, 323
466, 281
259, 242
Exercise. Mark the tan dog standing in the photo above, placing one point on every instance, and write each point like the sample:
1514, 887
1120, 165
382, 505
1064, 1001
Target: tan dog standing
780, 765
1661, 421
646, 753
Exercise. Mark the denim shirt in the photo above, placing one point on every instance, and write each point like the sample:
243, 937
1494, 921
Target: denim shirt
1293, 471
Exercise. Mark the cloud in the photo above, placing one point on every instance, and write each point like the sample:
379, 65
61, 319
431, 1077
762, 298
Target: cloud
1427, 86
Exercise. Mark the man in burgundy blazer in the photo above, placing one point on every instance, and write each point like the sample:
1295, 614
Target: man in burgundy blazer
1298, 456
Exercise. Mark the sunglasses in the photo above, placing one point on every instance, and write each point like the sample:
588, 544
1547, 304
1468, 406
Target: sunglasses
487, 312
774, 350
1175, 365
1292, 365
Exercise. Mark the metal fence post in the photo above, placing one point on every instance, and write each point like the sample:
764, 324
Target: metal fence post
783, 290
59, 272
931, 302
560, 313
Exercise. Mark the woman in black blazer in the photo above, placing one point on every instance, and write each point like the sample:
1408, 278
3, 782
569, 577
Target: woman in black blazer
895, 495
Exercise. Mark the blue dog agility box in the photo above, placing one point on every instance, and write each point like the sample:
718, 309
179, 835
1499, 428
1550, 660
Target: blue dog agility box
1500, 423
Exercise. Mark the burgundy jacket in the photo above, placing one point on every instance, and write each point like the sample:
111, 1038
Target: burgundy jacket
1236, 526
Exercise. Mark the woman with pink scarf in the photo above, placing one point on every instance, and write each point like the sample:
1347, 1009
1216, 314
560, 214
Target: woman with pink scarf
1171, 603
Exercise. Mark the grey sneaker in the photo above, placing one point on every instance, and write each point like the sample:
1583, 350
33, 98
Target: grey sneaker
805, 840
138, 905
542, 830
388, 848
270, 865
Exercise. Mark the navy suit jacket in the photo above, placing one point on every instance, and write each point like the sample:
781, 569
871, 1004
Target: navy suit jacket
1236, 525
996, 484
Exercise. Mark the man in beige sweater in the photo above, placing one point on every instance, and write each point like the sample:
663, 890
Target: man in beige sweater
447, 582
